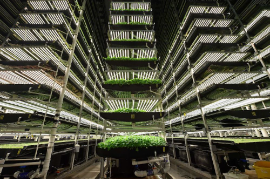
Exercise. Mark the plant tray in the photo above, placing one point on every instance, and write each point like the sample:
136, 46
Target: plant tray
134, 13
193, 16
19, 87
22, 63
132, 117
131, 27
205, 30
132, 153
132, 44
249, 114
203, 47
129, 1
132, 88
132, 63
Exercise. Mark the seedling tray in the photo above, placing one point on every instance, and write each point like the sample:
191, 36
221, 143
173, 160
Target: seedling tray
132, 88
132, 63
132, 44
125, 153
203, 47
206, 30
18, 87
132, 117
131, 27
134, 13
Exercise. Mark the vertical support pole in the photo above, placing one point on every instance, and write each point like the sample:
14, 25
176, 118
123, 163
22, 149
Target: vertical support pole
213, 155
101, 168
80, 113
89, 133
61, 98
88, 144
249, 39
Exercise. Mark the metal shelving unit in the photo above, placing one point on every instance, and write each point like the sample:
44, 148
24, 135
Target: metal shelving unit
192, 89
61, 63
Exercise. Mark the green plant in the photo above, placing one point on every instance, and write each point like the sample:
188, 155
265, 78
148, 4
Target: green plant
130, 59
133, 81
138, 23
132, 23
132, 40
126, 110
129, 10
132, 142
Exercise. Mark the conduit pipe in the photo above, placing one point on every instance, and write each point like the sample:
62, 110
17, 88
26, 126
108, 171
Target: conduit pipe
134, 162
21, 164
167, 167
164, 161
144, 173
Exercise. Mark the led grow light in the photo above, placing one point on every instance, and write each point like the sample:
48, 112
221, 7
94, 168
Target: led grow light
117, 35
130, 6
205, 38
60, 5
216, 78
138, 19
199, 22
128, 75
43, 54
37, 77
264, 13
131, 53
201, 10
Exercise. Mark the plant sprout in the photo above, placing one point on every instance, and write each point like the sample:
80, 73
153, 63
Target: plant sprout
132, 142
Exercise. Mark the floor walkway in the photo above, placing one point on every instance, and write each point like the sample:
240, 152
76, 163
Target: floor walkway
90, 172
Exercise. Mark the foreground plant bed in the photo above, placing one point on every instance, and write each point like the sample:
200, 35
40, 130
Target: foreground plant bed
132, 153
132, 116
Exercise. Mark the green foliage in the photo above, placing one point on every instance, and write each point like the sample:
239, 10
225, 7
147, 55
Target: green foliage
22, 145
132, 142
126, 110
132, 23
133, 81
132, 40
138, 23
129, 10
130, 59
237, 141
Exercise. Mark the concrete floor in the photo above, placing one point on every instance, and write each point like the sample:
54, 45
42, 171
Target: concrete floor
92, 172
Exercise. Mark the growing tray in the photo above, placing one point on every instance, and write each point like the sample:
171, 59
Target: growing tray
206, 30
134, 13
193, 16
132, 63
131, 27
132, 44
132, 88
19, 87
22, 63
203, 47
249, 114
125, 1
126, 153
132, 117
256, 146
